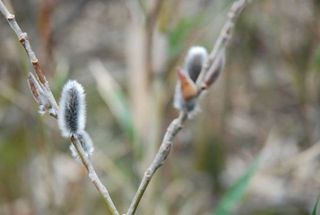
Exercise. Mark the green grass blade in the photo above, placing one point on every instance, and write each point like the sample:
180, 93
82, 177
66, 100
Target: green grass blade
315, 208
237, 191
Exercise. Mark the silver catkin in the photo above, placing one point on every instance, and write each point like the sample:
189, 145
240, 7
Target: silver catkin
86, 144
193, 63
72, 112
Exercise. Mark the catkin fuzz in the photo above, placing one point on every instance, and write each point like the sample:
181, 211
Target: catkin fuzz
196, 57
186, 89
72, 112
86, 144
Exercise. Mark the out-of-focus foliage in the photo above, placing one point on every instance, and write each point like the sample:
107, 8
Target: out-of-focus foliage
236, 191
315, 209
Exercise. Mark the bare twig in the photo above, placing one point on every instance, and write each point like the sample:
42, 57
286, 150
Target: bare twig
93, 175
176, 125
23, 38
41, 86
224, 36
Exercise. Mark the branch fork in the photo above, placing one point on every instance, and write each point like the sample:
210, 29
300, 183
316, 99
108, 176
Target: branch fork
43, 95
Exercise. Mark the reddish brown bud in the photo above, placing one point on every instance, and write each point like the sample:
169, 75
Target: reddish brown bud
34, 87
38, 94
188, 87
39, 72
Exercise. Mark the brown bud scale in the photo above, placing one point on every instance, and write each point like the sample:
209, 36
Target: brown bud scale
39, 72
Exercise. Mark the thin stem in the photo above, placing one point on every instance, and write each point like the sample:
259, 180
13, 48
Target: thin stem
173, 129
224, 36
23, 38
93, 175
41, 84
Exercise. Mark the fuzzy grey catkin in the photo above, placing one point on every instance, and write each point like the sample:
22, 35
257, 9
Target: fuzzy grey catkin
193, 63
72, 112
86, 144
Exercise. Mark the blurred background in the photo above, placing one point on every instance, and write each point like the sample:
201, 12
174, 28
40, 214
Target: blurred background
252, 150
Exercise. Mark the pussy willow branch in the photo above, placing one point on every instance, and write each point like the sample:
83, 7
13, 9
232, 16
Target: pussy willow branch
94, 178
23, 38
224, 37
53, 109
176, 125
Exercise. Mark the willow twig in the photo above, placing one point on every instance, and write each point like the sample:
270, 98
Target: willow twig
94, 178
176, 125
224, 37
40, 88
173, 129
23, 38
